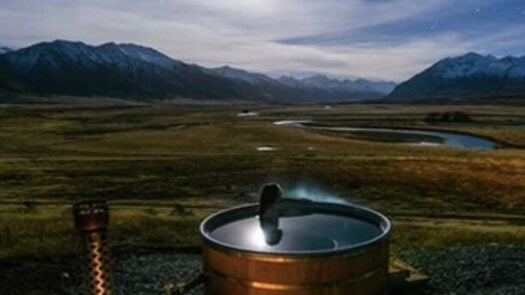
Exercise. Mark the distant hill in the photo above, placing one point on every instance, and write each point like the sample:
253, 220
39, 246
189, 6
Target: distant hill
322, 82
468, 76
315, 88
136, 72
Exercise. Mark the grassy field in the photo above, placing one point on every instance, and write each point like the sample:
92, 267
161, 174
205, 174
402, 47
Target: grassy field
165, 167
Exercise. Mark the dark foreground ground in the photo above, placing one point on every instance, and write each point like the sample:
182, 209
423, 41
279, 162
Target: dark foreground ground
491, 269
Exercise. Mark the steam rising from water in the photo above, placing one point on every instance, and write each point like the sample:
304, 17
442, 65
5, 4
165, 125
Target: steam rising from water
313, 193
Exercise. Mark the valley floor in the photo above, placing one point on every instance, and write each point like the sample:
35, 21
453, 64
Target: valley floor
163, 168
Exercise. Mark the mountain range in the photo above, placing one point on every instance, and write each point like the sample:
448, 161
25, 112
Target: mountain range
136, 72
468, 76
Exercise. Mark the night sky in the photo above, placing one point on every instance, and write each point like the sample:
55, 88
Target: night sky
383, 39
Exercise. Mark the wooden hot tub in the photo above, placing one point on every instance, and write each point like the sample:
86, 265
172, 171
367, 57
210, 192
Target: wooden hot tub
317, 248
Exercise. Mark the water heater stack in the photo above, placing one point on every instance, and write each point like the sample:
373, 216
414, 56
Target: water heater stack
91, 220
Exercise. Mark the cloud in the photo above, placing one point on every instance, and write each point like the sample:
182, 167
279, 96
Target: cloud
256, 35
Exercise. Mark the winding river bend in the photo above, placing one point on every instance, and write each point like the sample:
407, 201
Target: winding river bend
408, 136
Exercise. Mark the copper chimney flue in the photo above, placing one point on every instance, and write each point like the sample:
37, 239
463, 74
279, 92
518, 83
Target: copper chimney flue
91, 220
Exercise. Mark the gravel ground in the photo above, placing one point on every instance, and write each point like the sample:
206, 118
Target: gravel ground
147, 273
141, 271
470, 270
453, 270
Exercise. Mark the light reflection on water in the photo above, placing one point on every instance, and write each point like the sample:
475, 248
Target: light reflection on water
256, 238
436, 138
442, 138
311, 232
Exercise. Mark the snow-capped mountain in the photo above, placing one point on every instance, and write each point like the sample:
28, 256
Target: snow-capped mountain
473, 64
4, 49
238, 74
134, 71
67, 53
118, 70
471, 75
148, 55
323, 82
291, 81
315, 86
